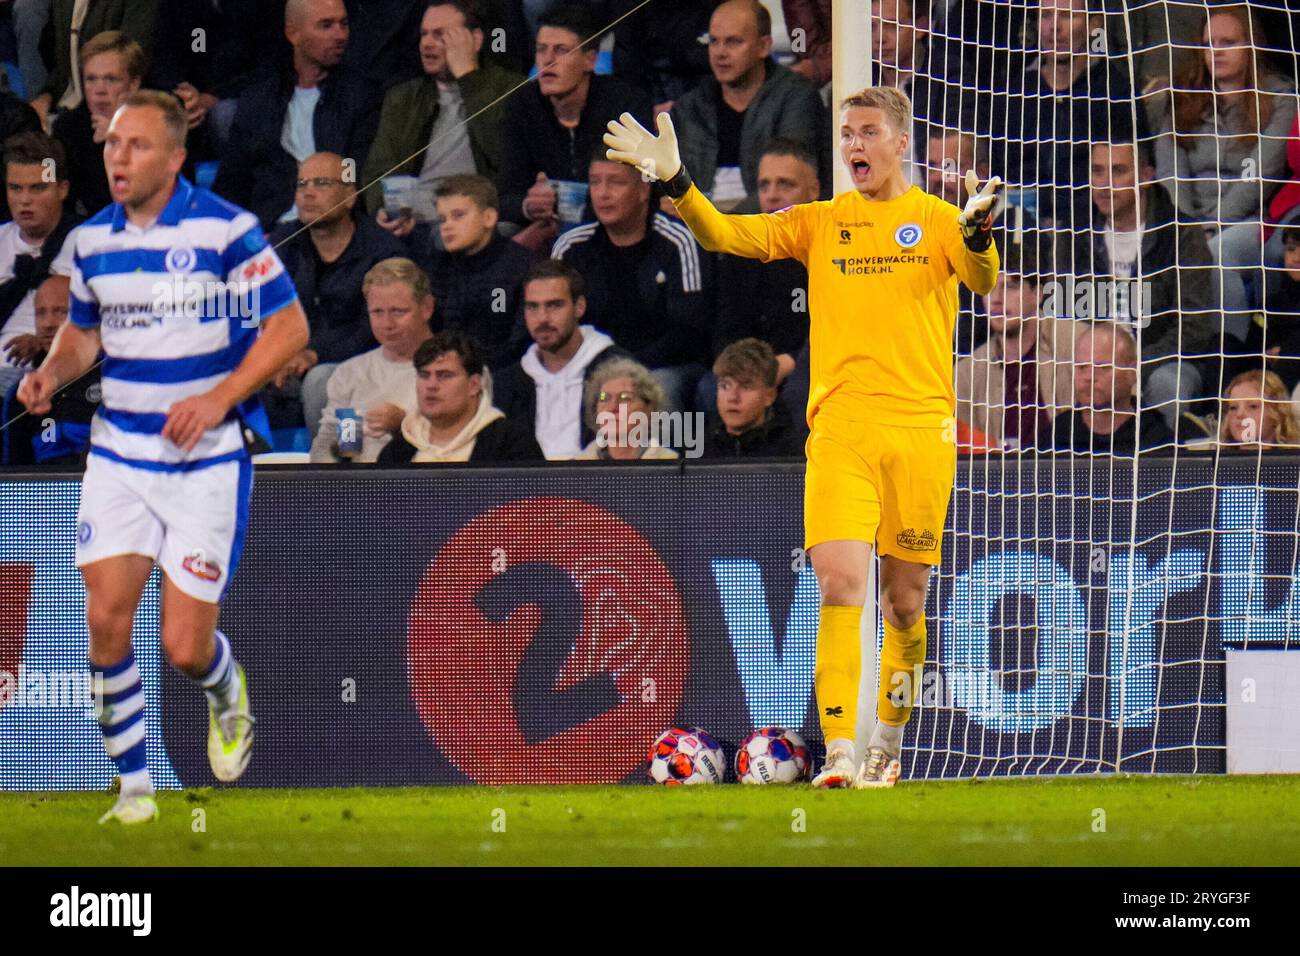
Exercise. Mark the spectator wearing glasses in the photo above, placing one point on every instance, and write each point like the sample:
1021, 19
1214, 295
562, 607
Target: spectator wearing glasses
552, 127
621, 401
649, 285
327, 255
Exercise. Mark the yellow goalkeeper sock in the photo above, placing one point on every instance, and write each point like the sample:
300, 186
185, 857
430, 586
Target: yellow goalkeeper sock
901, 652
839, 670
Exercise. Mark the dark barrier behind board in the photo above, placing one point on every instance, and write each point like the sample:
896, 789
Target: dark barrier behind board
544, 625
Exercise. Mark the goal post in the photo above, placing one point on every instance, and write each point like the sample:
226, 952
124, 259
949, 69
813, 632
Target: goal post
1119, 519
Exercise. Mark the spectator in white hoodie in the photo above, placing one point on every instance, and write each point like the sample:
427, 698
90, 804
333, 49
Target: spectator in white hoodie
545, 387
380, 384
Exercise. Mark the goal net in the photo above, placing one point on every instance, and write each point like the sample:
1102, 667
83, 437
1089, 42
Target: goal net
1126, 510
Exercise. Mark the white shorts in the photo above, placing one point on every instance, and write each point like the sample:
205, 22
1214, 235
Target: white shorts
190, 522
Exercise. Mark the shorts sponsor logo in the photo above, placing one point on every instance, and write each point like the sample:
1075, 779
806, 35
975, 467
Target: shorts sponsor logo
914, 540
200, 567
85, 531
907, 235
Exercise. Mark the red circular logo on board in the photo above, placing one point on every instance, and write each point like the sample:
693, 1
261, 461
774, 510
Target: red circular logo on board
548, 644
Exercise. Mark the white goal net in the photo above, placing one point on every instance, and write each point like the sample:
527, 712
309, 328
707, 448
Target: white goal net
1126, 507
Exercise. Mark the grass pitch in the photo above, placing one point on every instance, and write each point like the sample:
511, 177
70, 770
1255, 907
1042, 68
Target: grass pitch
1148, 821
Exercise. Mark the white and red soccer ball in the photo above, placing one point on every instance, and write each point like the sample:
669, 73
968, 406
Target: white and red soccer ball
772, 755
686, 755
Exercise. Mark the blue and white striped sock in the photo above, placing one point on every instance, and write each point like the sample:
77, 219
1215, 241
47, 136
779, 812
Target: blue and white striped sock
221, 682
119, 697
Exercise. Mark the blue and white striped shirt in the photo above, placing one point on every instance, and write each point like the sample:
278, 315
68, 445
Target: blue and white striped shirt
177, 306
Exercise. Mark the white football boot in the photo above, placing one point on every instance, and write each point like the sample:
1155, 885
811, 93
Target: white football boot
230, 736
836, 773
132, 808
880, 769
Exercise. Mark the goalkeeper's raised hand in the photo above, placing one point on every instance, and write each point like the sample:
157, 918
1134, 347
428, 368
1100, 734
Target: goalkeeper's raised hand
976, 220
656, 157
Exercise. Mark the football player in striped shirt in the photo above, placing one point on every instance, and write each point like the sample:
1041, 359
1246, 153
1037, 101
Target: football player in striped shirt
884, 260
194, 313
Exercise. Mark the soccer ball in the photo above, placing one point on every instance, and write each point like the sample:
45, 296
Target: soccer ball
686, 755
772, 755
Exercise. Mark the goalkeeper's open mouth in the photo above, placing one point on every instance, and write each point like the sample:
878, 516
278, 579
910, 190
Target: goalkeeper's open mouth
860, 170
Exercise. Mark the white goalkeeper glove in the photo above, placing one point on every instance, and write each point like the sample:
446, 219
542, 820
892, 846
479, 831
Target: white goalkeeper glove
976, 219
657, 157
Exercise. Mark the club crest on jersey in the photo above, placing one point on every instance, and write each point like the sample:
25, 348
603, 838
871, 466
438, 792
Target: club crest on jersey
181, 260
907, 235
85, 531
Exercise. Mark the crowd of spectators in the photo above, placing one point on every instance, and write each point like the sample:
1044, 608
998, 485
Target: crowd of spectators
483, 284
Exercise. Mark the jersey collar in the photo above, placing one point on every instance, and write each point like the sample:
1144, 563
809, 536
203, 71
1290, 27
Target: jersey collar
172, 212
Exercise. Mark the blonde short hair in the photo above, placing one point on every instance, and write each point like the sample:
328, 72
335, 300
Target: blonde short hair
895, 104
115, 41
168, 105
397, 269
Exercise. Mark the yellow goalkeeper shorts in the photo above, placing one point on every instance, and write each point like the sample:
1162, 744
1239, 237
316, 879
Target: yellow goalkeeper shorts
888, 485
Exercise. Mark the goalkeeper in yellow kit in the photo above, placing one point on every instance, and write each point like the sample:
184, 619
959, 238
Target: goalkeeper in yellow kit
883, 264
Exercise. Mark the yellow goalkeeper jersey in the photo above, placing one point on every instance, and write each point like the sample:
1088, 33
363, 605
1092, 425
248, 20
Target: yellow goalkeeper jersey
882, 295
